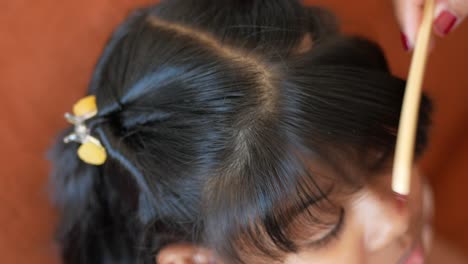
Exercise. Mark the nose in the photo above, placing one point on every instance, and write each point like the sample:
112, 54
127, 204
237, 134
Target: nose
385, 220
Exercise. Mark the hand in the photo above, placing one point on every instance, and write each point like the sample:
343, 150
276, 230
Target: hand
448, 15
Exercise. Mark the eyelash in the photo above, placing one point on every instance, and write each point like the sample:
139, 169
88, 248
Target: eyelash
332, 235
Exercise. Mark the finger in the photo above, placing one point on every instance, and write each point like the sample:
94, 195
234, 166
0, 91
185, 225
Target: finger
409, 13
449, 14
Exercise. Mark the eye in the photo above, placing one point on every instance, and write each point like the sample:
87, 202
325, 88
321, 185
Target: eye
333, 234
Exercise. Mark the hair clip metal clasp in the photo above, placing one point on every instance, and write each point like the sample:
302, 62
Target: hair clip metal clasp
91, 150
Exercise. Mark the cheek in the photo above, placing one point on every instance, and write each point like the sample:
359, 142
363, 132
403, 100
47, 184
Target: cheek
347, 248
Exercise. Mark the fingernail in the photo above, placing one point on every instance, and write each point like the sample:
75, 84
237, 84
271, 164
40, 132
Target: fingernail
445, 22
404, 41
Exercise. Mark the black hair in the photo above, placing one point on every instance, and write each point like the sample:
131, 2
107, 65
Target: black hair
212, 119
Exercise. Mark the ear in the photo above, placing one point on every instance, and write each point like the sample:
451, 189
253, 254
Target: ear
184, 253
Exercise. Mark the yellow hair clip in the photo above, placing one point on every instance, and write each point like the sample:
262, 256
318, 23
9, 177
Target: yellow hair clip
85, 106
91, 150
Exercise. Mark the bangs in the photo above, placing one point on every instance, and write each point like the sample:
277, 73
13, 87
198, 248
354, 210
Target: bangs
272, 203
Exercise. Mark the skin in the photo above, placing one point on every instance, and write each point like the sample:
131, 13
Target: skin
409, 14
379, 229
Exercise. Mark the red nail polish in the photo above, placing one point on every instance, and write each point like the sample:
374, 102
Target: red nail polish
404, 41
444, 23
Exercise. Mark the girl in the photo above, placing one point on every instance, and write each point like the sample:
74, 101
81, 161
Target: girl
238, 131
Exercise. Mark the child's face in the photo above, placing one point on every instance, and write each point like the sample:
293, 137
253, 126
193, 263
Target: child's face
377, 229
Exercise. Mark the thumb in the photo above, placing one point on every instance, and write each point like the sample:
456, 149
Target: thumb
448, 15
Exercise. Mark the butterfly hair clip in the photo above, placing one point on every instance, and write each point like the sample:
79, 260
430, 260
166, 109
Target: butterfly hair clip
91, 151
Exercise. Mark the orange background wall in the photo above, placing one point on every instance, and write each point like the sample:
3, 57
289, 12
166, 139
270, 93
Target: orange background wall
47, 52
